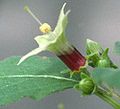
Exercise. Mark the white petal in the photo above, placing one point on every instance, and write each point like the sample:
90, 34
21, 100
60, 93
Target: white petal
33, 52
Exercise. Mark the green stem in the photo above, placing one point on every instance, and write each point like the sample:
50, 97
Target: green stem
100, 93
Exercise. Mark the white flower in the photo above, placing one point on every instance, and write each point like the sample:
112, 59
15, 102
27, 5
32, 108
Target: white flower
53, 41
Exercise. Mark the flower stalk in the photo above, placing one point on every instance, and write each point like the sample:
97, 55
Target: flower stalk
104, 96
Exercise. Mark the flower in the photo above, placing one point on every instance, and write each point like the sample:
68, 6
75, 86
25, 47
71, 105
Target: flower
56, 42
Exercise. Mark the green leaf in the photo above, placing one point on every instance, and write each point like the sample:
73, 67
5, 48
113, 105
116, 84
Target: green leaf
37, 77
107, 76
117, 47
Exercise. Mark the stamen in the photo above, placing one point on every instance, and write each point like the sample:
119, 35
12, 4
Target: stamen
26, 8
45, 28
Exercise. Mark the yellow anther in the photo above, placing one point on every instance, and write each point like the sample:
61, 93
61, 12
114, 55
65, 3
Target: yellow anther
45, 28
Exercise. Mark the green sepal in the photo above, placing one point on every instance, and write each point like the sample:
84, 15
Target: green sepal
105, 60
93, 47
76, 86
105, 53
103, 63
86, 85
93, 50
83, 75
96, 56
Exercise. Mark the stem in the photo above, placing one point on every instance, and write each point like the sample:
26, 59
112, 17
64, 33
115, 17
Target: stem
100, 93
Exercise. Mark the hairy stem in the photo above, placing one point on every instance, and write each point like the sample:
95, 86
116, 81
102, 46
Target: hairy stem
100, 93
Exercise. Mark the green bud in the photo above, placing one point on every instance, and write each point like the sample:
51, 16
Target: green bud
87, 86
96, 56
93, 50
103, 63
104, 59
93, 47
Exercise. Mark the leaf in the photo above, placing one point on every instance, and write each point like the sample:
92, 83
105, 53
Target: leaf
107, 76
37, 77
117, 47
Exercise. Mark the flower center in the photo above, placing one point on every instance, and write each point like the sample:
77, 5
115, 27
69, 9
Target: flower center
45, 28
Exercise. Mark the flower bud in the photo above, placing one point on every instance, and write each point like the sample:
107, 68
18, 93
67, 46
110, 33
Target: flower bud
93, 47
105, 60
93, 50
103, 63
87, 86
97, 57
